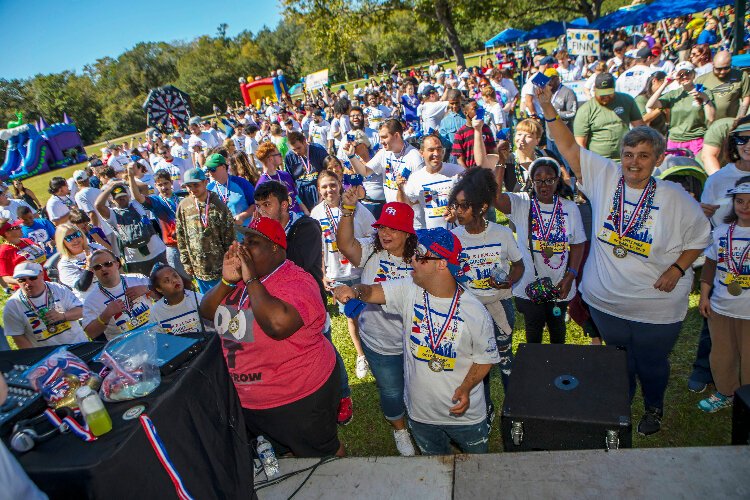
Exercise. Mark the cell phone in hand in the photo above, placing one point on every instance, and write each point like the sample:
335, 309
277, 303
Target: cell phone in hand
351, 137
699, 87
479, 115
540, 80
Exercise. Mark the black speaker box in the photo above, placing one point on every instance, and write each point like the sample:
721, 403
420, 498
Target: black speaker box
741, 416
567, 397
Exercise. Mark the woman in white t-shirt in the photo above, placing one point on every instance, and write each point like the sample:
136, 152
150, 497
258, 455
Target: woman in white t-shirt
337, 269
385, 256
60, 202
175, 311
551, 248
494, 258
725, 300
646, 234
74, 266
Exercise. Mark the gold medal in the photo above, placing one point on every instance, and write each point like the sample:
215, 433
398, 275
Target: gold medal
548, 252
234, 325
734, 288
620, 252
53, 328
435, 364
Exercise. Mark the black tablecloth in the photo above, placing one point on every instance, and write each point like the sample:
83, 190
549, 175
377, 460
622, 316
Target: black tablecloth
197, 415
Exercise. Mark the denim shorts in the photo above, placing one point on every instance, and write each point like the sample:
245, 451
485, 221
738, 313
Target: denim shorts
435, 439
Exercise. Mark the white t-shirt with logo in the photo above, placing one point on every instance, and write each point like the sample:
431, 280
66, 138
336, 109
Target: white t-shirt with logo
633, 81
431, 191
493, 247
10, 211
469, 339
20, 319
380, 330
97, 301
722, 301
72, 268
182, 152
339, 267
179, 318
376, 115
390, 164
319, 133
176, 168
624, 287
716, 188
59, 206
560, 241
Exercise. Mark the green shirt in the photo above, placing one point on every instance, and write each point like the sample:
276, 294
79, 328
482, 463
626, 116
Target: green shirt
727, 94
715, 136
659, 123
687, 120
604, 126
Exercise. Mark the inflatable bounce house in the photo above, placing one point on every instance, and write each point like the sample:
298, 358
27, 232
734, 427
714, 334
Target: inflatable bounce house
256, 90
38, 147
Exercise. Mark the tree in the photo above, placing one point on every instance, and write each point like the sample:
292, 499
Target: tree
221, 30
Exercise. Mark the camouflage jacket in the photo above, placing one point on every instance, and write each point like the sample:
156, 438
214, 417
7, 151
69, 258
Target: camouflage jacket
201, 248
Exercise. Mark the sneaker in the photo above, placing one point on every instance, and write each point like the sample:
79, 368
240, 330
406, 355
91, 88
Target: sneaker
695, 386
346, 411
403, 443
361, 367
650, 422
715, 402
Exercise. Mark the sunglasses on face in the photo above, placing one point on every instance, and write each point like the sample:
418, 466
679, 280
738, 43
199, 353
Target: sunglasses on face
545, 182
24, 280
98, 267
463, 206
421, 254
684, 74
741, 140
70, 237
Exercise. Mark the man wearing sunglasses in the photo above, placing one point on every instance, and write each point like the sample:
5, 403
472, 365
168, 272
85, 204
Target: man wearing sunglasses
730, 87
450, 345
118, 303
40, 313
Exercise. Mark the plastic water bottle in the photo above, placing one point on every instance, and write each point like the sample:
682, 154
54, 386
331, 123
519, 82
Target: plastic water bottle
267, 457
93, 411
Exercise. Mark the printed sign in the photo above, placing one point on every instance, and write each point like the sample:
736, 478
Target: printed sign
583, 42
316, 80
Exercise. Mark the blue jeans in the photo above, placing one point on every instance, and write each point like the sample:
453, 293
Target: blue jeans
346, 391
205, 285
701, 366
436, 439
388, 371
648, 347
173, 258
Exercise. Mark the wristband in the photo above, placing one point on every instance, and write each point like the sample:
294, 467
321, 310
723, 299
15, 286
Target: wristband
346, 214
349, 207
552, 120
573, 272
100, 320
351, 156
676, 266
228, 283
247, 283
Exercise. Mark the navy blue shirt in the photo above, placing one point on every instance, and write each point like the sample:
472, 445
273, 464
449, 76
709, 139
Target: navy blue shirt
301, 171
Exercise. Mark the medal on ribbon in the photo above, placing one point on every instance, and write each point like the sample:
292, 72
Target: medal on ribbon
436, 364
544, 233
638, 216
734, 270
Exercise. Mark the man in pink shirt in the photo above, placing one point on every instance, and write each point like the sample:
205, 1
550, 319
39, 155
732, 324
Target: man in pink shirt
270, 316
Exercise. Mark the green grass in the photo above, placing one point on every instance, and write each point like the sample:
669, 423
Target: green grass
683, 425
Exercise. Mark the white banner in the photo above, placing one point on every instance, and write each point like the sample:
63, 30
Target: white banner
577, 87
316, 80
583, 42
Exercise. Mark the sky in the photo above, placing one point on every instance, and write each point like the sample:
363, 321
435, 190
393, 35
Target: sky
49, 36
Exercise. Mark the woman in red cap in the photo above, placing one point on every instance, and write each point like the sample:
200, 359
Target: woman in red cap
386, 256
15, 250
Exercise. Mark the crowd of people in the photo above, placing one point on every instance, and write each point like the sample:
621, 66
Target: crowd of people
386, 202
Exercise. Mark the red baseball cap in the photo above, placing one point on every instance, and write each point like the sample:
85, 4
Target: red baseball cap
656, 51
268, 228
10, 225
397, 215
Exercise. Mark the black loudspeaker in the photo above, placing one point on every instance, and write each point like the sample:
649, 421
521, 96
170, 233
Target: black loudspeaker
567, 397
741, 416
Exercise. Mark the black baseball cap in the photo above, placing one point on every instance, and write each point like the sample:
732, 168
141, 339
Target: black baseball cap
604, 84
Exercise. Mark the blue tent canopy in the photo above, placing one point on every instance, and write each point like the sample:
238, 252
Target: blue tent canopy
508, 35
656, 11
552, 29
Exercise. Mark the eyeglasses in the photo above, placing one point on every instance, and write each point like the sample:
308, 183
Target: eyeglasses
420, 254
276, 154
24, 280
684, 74
70, 237
463, 206
545, 182
98, 267
740, 140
